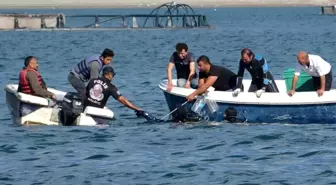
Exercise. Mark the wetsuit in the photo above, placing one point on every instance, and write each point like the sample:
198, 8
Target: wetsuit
261, 76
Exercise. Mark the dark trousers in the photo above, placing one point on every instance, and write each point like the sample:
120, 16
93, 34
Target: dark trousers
78, 85
271, 87
328, 81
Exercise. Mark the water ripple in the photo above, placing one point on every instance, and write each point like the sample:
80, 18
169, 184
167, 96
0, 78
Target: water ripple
132, 151
97, 157
309, 154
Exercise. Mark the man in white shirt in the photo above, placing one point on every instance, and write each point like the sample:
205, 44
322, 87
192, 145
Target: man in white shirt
318, 68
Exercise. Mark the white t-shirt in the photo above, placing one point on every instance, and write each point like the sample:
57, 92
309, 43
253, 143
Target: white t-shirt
317, 66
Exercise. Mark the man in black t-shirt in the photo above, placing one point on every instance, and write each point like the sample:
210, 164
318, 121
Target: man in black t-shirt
100, 89
220, 78
184, 63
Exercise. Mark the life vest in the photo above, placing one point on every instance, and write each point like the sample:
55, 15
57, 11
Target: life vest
82, 68
24, 85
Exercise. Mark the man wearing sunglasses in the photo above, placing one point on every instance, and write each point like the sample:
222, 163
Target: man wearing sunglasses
100, 89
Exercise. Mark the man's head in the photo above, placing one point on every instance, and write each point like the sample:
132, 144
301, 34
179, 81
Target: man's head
230, 112
182, 50
107, 56
246, 55
203, 63
108, 72
303, 58
31, 62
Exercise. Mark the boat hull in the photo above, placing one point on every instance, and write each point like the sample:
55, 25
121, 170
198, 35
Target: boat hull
303, 108
303, 114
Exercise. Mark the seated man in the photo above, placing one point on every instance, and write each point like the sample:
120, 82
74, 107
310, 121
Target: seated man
220, 78
100, 89
262, 79
315, 66
184, 63
31, 82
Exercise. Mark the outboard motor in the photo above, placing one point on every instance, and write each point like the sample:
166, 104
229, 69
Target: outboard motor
72, 106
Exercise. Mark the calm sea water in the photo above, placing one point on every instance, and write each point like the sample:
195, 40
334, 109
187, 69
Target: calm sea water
133, 152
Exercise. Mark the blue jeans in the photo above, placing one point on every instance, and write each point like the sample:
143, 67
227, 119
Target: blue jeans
181, 82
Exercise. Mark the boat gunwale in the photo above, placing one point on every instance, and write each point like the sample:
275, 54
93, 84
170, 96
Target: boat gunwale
234, 100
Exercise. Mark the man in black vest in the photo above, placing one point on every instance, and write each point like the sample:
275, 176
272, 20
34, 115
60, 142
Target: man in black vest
100, 89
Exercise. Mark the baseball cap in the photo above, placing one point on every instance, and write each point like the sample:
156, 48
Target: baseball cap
108, 69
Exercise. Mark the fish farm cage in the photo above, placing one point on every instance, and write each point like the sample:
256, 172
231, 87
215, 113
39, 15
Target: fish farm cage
167, 16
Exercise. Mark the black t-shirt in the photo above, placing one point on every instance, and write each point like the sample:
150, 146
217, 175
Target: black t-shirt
98, 92
226, 78
182, 65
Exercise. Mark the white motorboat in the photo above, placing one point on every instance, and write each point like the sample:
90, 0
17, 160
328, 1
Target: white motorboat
68, 110
301, 108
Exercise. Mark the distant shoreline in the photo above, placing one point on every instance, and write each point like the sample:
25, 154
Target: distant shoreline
154, 5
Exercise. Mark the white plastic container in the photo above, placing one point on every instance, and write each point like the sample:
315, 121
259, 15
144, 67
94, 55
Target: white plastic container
212, 105
199, 104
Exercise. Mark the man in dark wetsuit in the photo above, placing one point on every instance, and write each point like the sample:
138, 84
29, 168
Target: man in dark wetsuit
231, 116
100, 89
184, 63
256, 65
220, 78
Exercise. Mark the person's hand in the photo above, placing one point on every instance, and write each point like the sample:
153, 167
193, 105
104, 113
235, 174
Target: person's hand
169, 87
236, 92
187, 85
259, 92
191, 97
139, 113
53, 97
291, 92
146, 115
320, 92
